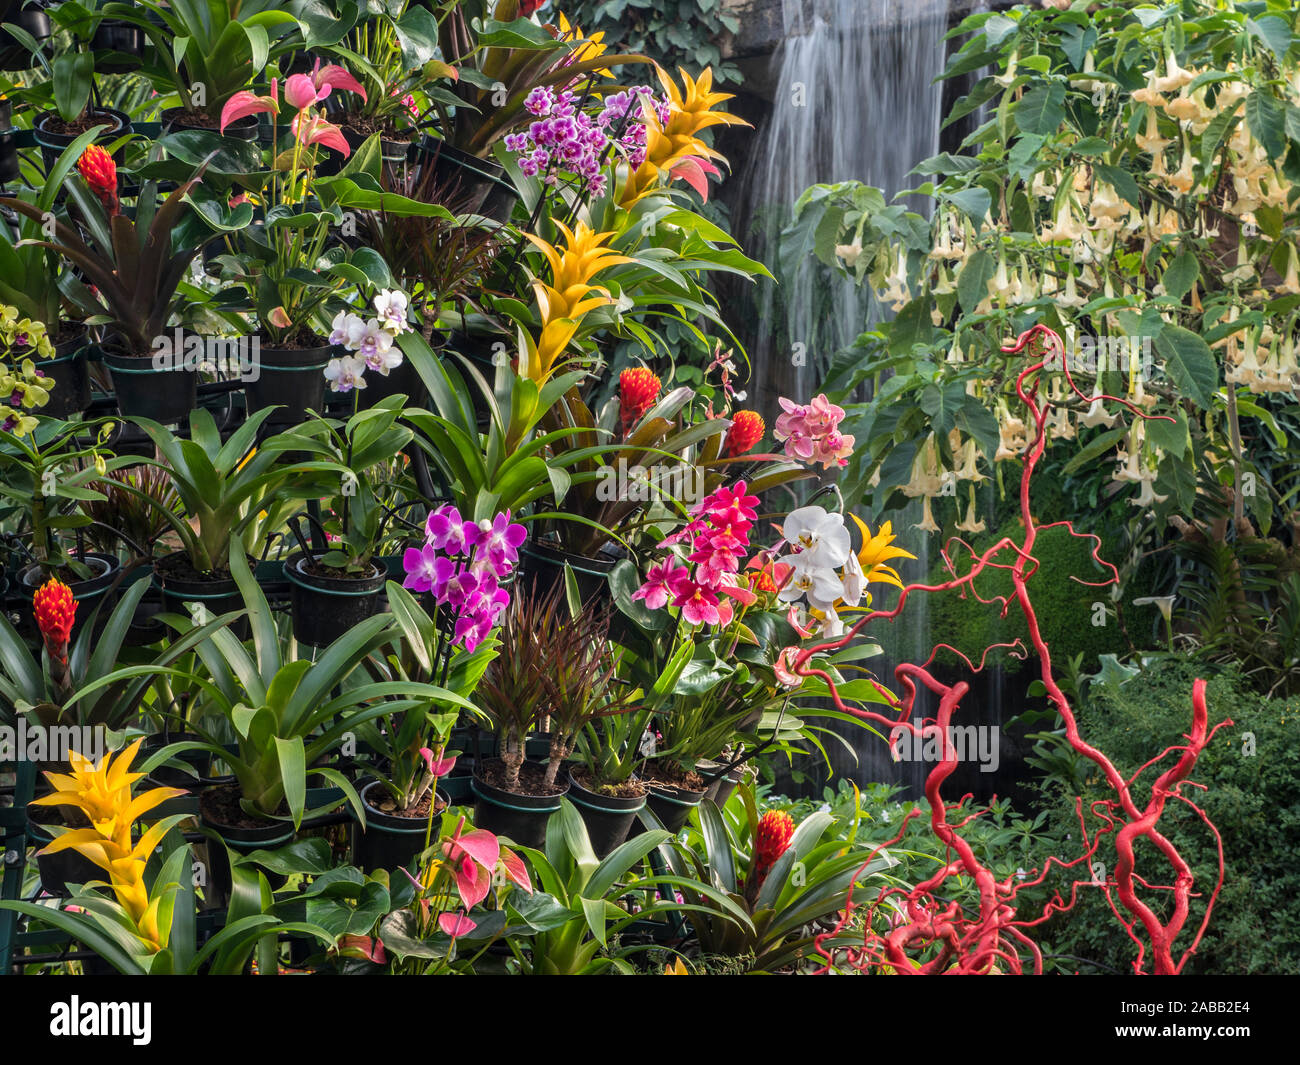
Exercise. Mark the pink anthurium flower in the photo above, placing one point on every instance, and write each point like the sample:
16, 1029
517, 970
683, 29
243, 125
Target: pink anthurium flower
245, 103
515, 869
371, 949
333, 76
437, 768
280, 318
455, 924
301, 92
313, 129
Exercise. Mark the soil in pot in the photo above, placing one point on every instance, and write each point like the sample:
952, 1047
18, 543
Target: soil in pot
53, 133
392, 838
608, 811
520, 815
178, 119
181, 584
220, 811
673, 794
326, 603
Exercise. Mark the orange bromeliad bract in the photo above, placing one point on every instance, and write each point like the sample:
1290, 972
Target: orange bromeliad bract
771, 839
56, 610
100, 173
747, 430
638, 388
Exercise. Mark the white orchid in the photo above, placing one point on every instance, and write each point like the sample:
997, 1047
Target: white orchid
342, 327
819, 536
346, 373
390, 309
811, 580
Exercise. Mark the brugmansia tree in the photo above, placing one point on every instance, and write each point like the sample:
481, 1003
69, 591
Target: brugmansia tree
1132, 187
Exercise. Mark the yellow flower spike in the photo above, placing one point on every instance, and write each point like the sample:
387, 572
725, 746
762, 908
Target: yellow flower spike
676, 969
876, 551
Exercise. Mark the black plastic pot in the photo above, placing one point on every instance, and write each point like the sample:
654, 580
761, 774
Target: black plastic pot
672, 805
13, 56
324, 608
292, 379
69, 375
52, 144
144, 391
164, 776
392, 152
123, 43
218, 595
542, 565
520, 818
91, 593
9, 165
480, 185
61, 868
726, 784
608, 818
177, 119
390, 842
403, 380
242, 841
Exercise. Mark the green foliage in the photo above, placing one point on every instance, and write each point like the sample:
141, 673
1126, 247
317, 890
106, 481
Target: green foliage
1251, 774
672, 32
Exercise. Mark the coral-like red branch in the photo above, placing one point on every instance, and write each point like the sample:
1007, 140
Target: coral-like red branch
928, 933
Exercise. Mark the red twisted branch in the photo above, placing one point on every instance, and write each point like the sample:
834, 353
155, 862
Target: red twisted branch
930, 934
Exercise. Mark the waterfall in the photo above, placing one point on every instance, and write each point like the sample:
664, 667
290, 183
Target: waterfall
854, 99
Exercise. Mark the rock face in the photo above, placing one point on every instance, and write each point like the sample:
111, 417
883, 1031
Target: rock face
763, 23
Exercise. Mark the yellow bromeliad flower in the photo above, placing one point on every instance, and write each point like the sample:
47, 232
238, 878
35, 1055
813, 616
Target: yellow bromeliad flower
103, 794
670, 146
591, 48
570, 295
876, 551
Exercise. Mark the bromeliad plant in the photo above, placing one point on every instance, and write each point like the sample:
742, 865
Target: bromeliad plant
129, 271
207, 53
287, 715
223, 487
148, 927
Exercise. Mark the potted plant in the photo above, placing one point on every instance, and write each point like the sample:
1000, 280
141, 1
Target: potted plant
584, 692
334, 589
284, 260
29, 281
222, 488
19, 51
71, 85
513, 795
135, 274
206, 53
47, 472
286, 716
394, 50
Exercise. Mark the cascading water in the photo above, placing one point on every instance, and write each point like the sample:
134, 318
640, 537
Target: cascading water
854, 99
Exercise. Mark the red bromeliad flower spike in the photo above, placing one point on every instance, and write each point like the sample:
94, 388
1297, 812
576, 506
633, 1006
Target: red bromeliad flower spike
55, 610
746, 431
96, 166
638, 388
926, 931
771, 840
